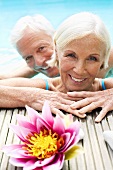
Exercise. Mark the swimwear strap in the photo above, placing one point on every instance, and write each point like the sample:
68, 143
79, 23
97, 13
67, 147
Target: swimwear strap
47, 84
103, 85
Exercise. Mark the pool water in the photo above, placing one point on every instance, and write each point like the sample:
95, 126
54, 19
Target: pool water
54, 10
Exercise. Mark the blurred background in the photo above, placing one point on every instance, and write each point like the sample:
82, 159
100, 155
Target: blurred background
54, 10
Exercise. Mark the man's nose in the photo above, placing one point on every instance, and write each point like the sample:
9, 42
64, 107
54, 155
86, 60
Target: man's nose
40, 60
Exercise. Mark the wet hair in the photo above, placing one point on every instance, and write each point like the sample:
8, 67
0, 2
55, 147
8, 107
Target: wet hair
36, 23
78, 26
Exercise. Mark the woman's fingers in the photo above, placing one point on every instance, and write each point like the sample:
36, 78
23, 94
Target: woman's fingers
57, 111
68, 109
81, 103
82, 94
104, 111
61, 108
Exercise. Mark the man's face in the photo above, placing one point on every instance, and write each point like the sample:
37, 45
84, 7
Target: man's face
36, 48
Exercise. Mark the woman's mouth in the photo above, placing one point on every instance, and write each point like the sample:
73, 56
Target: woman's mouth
77, 79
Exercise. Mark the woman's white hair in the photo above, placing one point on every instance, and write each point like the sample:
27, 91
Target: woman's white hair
36, 23
78, 26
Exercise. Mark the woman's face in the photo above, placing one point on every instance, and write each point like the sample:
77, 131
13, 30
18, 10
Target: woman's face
80, 62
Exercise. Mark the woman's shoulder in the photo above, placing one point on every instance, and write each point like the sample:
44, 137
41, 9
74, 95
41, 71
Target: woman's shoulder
55, 81
97, 84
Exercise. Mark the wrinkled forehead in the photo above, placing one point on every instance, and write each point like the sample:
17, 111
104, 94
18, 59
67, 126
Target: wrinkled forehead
31, 36
37, 32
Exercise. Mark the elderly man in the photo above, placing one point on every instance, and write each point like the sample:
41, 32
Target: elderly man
32, 36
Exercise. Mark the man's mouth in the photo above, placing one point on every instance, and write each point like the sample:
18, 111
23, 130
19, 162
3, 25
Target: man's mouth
38, 68
45, 68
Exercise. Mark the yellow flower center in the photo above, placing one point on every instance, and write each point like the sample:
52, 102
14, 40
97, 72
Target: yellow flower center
43, 145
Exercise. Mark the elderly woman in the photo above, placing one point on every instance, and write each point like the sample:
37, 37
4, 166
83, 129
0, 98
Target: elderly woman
32, 36
82, 50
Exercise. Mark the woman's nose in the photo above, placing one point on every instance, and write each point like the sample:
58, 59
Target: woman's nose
79, 68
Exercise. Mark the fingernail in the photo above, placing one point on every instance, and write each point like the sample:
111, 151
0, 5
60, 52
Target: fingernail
97, 120
84, 115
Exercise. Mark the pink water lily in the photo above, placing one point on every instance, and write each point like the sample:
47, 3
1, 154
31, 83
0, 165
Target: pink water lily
46, 141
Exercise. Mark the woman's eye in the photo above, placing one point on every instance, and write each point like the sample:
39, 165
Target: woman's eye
71, 55
92, 58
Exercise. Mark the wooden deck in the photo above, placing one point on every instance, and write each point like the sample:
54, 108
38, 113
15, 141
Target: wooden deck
97, 156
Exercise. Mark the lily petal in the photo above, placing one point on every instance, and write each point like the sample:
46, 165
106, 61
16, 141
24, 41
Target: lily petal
16, 151
21, 132
74, 127
46, 113
8, 148
71, 142
17, 161
22, 121
58, 123
73, 152
66, 137
30, 165
45, 161
33, 114
57, 163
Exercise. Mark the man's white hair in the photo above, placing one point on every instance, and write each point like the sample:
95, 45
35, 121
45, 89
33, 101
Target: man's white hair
36, 23
78, 26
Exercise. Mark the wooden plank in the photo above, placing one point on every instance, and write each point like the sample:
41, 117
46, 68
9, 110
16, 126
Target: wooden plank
99, 128
107, 124
90, 165
80, 161
2, 117
110, 154
3, 136
65, 166
97, 154
110, 120
13, 139
72, 164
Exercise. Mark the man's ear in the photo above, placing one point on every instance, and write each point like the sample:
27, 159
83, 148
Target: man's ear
53, 61
57, 60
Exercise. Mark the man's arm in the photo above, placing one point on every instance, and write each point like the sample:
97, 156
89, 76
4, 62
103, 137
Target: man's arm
25, 82
24, 71
13, 97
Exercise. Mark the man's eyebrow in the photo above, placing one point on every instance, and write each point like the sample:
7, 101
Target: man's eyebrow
43, 43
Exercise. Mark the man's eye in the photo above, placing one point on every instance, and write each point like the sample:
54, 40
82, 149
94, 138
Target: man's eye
28, 58
41, 48
93, 58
